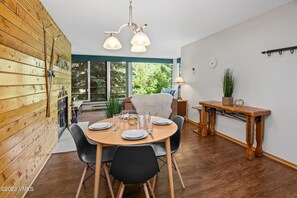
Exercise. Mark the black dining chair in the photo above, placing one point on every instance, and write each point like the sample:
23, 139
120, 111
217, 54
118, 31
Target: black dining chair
87, 154
133, 165
175, 139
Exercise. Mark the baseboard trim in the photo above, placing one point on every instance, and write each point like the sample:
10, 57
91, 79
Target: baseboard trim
192, 122
273, 157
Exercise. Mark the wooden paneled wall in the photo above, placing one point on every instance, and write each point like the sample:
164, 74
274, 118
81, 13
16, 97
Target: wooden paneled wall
27, 136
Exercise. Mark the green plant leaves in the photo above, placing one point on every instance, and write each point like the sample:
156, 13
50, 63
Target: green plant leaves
228, 83
113, 107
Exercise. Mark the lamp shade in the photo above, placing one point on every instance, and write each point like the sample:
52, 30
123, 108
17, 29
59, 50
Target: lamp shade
112, 43
138, 48
179, 80
140, 38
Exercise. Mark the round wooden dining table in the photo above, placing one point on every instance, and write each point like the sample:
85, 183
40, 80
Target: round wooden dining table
109, 137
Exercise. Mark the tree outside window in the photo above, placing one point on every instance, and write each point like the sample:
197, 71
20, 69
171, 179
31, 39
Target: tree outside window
98, 80
79, 80
149, 78
118, 79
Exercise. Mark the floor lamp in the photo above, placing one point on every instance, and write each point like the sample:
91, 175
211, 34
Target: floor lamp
179, 81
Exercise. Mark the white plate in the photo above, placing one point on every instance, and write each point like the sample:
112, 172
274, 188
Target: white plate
100, 126
162, 122
134, 134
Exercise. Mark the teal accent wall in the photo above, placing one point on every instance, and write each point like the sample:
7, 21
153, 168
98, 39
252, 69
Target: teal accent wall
77, 57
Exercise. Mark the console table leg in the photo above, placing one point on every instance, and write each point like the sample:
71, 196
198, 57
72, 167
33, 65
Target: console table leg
250, 137
203, 122
259, 136
212, 121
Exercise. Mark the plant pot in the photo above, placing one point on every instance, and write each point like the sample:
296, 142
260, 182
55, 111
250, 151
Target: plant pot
227, 101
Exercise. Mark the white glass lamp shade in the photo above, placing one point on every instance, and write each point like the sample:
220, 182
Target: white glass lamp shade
112, 43
138, 48
140, 38
179, 80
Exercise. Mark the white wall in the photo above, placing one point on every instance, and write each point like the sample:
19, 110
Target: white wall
262, 81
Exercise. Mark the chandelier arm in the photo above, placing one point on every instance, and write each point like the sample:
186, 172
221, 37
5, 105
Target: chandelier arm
116, 32
134, 27
113, 43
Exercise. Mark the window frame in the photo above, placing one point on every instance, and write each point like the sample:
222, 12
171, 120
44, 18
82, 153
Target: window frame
129, 60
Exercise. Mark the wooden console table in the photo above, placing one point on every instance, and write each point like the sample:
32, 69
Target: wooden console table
252, 116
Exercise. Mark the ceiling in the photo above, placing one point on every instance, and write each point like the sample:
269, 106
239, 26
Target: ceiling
171, 23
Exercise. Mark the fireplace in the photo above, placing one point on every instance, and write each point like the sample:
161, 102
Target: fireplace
62, 115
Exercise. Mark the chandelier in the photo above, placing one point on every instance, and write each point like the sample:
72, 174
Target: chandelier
139, 41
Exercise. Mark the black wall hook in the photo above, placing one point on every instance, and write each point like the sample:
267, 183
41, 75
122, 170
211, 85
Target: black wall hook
280, 50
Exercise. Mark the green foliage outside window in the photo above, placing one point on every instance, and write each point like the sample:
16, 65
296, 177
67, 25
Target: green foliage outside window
149, 78
79, 80
118, 84
98, 81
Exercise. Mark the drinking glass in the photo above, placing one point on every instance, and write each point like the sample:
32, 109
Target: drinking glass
141, 119
132, 120
125, 114
148, 123
116, 122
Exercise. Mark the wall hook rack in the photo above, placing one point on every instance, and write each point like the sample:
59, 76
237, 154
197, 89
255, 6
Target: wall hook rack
280, 50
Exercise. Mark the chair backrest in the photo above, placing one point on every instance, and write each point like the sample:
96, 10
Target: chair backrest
80, 140
134, 164
175, 138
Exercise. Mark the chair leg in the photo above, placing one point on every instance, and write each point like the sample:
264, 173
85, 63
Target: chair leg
147, 195
154, 182
121, 190
177, 169
81, 180
108, 180
150, 188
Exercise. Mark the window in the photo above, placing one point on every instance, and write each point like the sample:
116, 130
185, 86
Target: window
149, 78
98, 79
118, 79
79, 80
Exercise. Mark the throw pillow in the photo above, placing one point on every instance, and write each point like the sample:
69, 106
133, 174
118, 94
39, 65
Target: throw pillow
168, 90
165, 90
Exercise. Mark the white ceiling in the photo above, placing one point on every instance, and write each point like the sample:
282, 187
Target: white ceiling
171, 23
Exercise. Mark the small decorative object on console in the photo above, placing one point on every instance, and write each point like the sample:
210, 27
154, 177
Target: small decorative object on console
239, 102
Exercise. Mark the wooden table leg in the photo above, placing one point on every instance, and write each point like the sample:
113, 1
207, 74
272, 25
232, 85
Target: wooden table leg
212, 120
97, 170
203, 122
259, 136
169, 166
250, 137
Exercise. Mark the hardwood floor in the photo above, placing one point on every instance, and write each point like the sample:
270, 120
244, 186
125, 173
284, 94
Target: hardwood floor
211, 167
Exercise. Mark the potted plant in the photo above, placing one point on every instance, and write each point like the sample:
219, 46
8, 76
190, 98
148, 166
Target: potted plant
113, 107
228, 87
